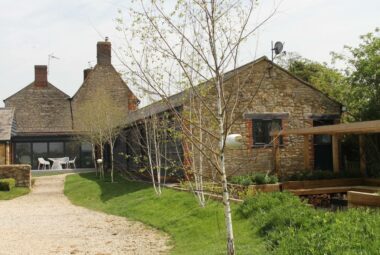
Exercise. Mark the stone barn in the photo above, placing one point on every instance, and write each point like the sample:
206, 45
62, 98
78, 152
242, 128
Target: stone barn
270, 99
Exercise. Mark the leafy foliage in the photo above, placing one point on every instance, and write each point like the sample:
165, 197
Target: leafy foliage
254, 178
289, 226
362, 69
7, 184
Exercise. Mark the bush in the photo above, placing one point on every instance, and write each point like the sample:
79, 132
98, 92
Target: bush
7, 184
254, 178
290, 226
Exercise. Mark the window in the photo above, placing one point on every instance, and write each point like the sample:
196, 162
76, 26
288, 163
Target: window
39, 151
23, 153
262, 128
86, 155
56, 150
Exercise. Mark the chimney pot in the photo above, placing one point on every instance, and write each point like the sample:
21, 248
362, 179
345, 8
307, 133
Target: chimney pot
40, 76
86, 72
104, 53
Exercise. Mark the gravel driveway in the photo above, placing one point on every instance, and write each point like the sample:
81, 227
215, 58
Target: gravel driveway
45, 222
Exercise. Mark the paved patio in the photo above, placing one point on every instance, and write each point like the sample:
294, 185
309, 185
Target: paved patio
45, 222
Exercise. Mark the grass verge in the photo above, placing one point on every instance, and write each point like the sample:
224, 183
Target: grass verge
193, 230
13, 193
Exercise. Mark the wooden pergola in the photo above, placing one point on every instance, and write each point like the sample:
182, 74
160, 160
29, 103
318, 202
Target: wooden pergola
336, 131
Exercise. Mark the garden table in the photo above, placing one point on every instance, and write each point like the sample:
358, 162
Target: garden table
57, 163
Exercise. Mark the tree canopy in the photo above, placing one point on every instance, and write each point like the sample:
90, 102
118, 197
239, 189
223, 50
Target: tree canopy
356, 85
362, 71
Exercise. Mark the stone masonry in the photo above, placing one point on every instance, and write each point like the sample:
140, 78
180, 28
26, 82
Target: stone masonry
265, 89
103, 78
21, 173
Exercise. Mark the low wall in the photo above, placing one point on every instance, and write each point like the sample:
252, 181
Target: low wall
363, 199
21, 173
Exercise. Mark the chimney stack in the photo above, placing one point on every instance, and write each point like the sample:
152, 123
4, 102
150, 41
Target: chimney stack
40, 76
86, 72
104, 52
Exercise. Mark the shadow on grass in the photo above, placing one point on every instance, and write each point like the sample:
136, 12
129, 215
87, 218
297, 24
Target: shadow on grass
118, 188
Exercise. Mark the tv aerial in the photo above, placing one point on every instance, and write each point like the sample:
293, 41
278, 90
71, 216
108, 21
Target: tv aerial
50, 58
277, 49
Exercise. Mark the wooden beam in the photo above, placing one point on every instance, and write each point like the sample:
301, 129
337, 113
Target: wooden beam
336, 154
276, 156
364, 127
363, 161
306, 151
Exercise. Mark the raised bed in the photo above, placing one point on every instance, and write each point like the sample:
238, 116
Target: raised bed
355, 198
311, 184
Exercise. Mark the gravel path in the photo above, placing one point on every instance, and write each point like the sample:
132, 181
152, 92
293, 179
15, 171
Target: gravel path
45, 222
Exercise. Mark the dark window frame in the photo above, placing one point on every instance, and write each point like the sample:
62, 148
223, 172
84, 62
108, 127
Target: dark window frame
264, 139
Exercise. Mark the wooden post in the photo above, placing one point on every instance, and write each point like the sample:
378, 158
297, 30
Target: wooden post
276, 155
7, 154
306, 152
336, 154
363, 161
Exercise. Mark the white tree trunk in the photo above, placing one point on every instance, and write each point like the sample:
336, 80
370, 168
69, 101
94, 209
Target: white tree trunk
112, 163
149, 152
226, 195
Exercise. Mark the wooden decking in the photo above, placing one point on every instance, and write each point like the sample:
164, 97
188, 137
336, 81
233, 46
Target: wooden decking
331, 190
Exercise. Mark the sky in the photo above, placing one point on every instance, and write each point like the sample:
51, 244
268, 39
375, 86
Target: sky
30, 31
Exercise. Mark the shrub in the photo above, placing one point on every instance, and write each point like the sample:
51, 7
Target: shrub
254, 178
7, 184
289, 226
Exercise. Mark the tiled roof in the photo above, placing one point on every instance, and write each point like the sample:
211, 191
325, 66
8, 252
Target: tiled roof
41, 109
7, 123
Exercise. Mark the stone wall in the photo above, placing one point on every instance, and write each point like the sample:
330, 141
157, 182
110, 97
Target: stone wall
102, 79
21, 173
263, 88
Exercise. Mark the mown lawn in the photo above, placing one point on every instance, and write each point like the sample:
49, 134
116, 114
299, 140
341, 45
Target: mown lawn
194, 230
13, 193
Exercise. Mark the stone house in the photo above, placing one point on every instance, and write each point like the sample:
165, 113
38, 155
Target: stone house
47, 118
270, 98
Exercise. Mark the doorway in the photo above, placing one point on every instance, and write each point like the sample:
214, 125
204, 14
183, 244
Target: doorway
323, 147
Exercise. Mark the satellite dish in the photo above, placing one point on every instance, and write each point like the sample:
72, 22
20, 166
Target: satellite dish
278, 46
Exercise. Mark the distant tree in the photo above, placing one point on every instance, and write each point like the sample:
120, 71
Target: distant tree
327, 79
362, 69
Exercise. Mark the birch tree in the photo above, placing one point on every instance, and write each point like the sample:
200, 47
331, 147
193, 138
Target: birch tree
101, 123
177, 47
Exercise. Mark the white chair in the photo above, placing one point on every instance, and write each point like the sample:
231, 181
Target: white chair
42, 162
72, 162
65, 161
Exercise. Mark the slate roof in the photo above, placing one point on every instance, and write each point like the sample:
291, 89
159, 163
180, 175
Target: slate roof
7, 124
